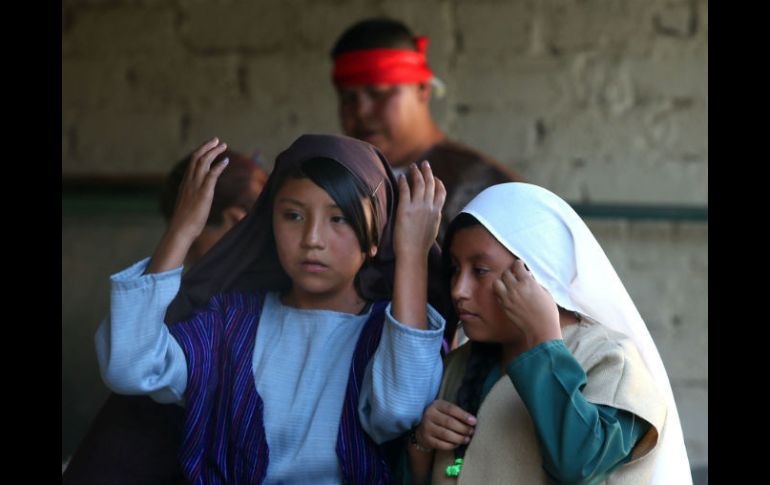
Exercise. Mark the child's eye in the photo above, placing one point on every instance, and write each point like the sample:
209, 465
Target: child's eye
292, 216
339, 220
480, 271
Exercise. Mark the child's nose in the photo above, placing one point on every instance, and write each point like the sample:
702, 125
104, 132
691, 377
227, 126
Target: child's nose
313, 235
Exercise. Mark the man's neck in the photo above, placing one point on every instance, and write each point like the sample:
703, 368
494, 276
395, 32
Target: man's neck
424, 141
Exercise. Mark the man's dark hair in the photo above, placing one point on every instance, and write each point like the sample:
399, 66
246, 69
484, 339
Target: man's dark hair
374, 33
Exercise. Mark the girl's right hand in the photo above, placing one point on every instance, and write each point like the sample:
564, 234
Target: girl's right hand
193, 204
196, 191
445, 426
528, 305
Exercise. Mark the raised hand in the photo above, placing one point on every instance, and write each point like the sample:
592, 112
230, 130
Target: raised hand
528, 305
192, 208
418, 214
196, 192
417, 219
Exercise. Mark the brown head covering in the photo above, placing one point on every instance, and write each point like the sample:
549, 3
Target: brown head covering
245, 259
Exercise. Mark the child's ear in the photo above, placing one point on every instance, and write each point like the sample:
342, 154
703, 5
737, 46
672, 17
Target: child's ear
372, 251
232, 215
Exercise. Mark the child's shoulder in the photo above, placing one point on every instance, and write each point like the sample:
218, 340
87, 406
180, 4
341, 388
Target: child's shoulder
590, 340
617, 375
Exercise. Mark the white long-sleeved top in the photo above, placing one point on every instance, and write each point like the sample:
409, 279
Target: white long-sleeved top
301, 364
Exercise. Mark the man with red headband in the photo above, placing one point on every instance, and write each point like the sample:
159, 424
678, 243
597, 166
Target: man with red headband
384, 85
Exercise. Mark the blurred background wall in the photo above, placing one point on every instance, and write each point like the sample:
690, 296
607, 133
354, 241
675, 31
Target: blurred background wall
602, 101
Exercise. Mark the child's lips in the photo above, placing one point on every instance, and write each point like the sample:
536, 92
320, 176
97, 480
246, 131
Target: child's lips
463, 314
313, 266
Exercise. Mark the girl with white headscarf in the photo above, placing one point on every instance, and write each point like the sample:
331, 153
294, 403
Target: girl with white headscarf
561, 380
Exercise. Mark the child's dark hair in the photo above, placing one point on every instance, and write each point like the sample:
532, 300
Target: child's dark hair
347, 191
483, 356
374, 33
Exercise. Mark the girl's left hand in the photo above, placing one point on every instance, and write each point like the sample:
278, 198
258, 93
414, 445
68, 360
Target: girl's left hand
445, 426
528, 305
419, 211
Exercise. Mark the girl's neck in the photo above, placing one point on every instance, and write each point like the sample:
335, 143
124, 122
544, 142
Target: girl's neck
343, 302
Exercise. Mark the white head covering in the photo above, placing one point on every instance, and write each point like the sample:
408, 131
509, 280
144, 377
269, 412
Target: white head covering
547, 234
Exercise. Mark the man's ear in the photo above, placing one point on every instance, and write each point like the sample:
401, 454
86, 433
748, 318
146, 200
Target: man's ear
231, 215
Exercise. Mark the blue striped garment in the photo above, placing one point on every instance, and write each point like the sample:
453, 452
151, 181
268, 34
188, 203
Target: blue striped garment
224, 437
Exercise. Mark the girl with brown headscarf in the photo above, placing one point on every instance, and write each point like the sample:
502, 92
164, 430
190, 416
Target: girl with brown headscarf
303, 340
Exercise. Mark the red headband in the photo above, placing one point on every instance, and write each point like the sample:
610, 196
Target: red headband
383, 66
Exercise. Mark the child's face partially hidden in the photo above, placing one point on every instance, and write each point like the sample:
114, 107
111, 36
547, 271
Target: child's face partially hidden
316, 246
478, 260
